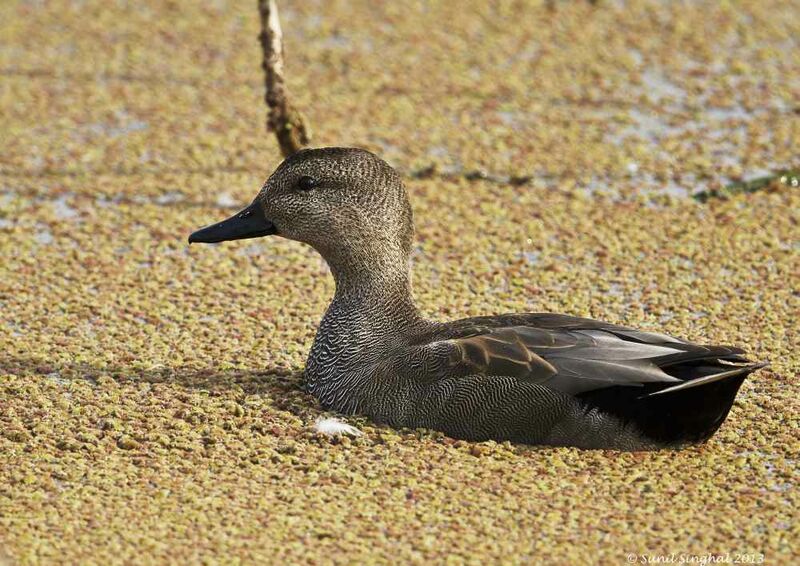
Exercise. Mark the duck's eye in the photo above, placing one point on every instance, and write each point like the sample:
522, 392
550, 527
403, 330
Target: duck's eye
306, 183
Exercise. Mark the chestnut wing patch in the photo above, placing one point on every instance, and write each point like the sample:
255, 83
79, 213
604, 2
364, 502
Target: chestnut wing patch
509, 351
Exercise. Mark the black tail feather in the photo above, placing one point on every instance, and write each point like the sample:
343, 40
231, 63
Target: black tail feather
687, 413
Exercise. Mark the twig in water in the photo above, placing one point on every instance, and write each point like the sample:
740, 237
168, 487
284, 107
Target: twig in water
286, 121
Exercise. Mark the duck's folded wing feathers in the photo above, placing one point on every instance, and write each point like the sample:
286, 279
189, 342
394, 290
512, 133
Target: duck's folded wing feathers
566, 381
573, 355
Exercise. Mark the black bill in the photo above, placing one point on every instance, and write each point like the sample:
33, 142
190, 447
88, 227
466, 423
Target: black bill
249, 223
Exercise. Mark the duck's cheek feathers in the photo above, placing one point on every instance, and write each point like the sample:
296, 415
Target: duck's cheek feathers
305, 225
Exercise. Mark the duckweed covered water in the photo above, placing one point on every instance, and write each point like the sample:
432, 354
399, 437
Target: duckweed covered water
150, 402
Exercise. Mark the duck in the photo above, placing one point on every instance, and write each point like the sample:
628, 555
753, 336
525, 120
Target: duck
527, 378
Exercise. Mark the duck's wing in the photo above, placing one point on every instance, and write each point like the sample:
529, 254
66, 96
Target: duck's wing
557, 380
575, 355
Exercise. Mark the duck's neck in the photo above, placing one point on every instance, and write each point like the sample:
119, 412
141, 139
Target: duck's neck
372, 310
374, 289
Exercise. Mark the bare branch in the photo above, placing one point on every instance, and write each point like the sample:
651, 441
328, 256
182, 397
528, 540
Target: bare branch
283, 119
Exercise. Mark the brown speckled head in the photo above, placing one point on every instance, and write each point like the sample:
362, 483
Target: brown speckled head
347, 203
338, 200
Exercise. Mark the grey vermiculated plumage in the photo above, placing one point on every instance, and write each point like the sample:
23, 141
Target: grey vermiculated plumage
529, 378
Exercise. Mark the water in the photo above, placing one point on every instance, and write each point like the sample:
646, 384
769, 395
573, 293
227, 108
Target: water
62, 209
660, 88
170, 197
225, 200
44, 237
123, 125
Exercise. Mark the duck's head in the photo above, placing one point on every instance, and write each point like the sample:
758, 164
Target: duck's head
347, 203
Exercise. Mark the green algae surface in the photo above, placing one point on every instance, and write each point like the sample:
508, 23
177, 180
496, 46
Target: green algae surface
151, 408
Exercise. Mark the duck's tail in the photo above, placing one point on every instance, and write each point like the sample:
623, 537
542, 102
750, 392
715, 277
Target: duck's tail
686, 413
711, 374
692, 411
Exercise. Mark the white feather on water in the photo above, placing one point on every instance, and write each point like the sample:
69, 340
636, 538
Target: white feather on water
330, 426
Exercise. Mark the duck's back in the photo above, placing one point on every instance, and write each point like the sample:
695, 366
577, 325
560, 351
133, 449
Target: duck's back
553, 379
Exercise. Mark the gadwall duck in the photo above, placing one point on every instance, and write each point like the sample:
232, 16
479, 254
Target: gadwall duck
528, 378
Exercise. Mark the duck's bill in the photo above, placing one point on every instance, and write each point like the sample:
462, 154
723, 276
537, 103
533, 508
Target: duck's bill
249, 223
